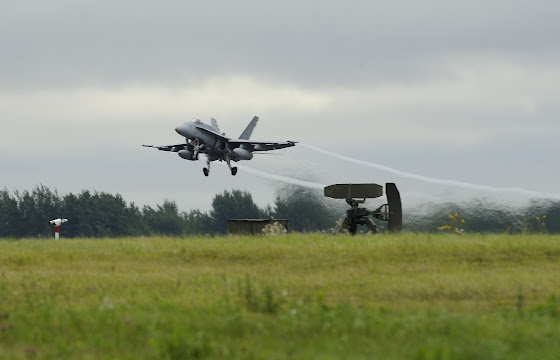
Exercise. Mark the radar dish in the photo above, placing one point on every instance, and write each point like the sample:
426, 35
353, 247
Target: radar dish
355, 194
353, 191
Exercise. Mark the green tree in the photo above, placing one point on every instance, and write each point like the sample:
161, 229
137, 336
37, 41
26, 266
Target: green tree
481, 216
306, 209
77, 210
196, 222
100, 214
9, 215
542, 215
164, 220
37, 208
134, 221
111, 216
236, 204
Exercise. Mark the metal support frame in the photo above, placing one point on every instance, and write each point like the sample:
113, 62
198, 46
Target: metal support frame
356, 215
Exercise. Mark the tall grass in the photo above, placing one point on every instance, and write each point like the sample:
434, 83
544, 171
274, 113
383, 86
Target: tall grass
296, 296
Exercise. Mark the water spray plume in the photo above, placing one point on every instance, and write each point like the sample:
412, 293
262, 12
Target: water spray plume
288, 180
430, 180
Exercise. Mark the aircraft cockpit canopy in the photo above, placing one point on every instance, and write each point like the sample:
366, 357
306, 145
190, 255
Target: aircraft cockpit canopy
195, 121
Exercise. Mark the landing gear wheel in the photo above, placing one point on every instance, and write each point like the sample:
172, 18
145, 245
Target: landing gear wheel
205, 171
234, 170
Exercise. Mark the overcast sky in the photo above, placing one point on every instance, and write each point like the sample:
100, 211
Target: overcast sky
464, 91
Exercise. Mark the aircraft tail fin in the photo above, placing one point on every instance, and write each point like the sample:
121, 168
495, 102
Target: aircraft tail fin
215, 124
246, 134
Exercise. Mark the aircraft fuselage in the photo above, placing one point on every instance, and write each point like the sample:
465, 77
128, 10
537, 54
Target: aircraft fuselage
210, 138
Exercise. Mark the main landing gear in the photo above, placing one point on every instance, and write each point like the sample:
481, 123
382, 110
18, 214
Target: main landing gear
232, 169
206, 170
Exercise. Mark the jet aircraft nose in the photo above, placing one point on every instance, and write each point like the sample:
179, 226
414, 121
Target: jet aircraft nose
182, 129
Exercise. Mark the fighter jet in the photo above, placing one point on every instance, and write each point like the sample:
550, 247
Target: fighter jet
201, 138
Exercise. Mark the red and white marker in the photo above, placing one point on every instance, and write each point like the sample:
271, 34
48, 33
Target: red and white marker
57, 223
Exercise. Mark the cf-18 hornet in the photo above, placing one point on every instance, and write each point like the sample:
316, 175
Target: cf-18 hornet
201, 138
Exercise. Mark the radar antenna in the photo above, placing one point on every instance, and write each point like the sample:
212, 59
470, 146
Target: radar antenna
355, 195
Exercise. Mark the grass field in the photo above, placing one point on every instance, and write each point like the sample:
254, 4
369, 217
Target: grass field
410, 296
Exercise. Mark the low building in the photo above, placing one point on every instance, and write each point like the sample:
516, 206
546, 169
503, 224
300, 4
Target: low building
253, 226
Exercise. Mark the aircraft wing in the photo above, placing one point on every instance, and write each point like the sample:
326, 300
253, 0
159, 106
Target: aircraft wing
209, 130
264, 145
173, 148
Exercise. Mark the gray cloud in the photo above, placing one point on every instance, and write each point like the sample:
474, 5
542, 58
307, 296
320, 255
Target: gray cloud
454, 90
312, 43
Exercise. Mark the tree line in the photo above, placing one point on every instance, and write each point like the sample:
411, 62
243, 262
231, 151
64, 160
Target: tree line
26, 214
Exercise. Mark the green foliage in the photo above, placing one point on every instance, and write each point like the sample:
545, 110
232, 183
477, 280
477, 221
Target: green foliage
542, 217
266, 302
9, 214
454, 224
480, 217
99, 214
165, 219
196, 222
34, 207
236, 204
306, 209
